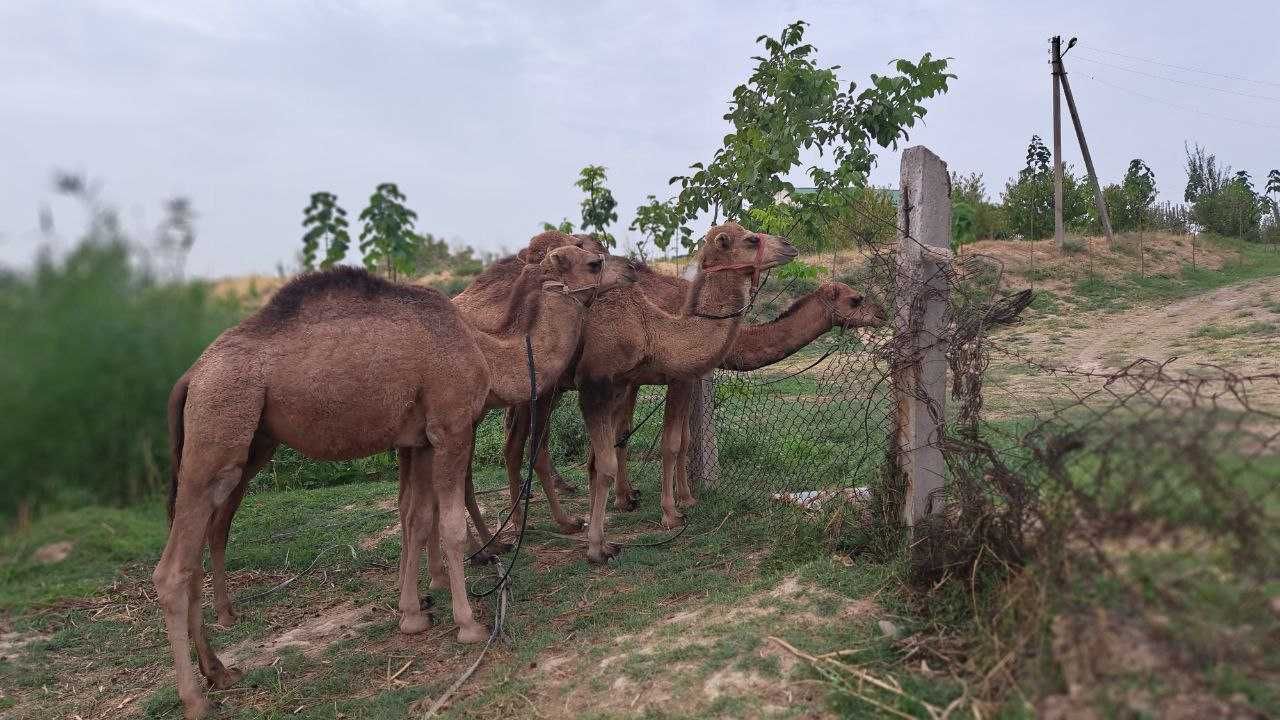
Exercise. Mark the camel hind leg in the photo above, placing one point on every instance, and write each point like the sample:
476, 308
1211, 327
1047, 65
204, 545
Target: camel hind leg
206, 480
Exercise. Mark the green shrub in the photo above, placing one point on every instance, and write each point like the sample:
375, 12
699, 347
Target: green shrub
93, 343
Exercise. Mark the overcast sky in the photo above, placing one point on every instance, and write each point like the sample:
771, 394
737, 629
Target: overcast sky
483, 112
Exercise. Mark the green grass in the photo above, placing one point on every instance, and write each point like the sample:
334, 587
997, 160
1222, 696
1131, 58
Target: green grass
104, 539
729, 559
1250, 262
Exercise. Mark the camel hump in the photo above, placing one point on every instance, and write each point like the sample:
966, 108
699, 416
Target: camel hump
355, 290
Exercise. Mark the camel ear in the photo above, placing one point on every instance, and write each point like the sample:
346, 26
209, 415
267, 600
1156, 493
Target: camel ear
724, 240
523, 254
563, 263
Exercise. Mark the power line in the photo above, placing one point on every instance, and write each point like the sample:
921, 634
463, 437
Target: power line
1181, 67
1180, 106
1180, 82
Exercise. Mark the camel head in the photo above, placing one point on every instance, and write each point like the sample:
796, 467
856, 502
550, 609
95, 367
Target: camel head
849, 308
732, 248
588, 242
583, 274
545, 242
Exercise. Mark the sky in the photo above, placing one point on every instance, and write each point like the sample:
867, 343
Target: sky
483, 112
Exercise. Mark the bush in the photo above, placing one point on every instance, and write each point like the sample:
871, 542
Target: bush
92, 345
1028, 198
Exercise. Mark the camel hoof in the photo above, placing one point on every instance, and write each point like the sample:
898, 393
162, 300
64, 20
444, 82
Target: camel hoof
472, 633
415, 623
197, 710
565, 488
480, 559
573, 526
673, 521
439, 583
225, 678
227, 618
604, 555
628, 503
687, 502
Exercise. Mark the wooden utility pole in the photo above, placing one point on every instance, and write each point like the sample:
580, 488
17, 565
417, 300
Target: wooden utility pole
1060, 73
1055, 60
922, 294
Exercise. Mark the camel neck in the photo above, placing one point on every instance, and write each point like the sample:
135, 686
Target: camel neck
554, 332
759, 345
716, 295
692, 344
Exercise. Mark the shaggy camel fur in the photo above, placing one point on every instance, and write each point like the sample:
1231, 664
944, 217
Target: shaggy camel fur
831, 305
629, 340
342, 365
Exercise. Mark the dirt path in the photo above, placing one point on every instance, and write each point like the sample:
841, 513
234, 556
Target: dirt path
1160, 332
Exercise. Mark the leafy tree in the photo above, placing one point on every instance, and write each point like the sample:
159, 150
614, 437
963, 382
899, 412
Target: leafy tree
989, 220
1129, 204
326, 226
964, 223
1222, 201
565, 226
598, 207
790, 104
1028, 199
1204, 177
434, 255
387, 238
1273, 188
660, 223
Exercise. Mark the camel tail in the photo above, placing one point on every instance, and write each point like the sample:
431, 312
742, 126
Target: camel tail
177, 403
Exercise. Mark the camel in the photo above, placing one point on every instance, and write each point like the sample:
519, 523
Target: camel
341, 365
484, 305
831, 305
629, 340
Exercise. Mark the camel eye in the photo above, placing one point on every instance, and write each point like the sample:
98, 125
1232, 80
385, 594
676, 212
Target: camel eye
753, 240
855, 301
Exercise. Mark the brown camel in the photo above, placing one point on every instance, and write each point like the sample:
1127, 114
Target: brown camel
628, 340
342, 365
484, 306
756, 345
831, 305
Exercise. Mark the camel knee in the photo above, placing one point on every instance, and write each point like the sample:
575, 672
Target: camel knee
173, 587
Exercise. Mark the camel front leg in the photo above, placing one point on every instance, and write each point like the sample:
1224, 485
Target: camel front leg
684, 491
416, 510
260, 453
483, 538
674, 412
447, 480
625, 497
547, 474
598, 404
